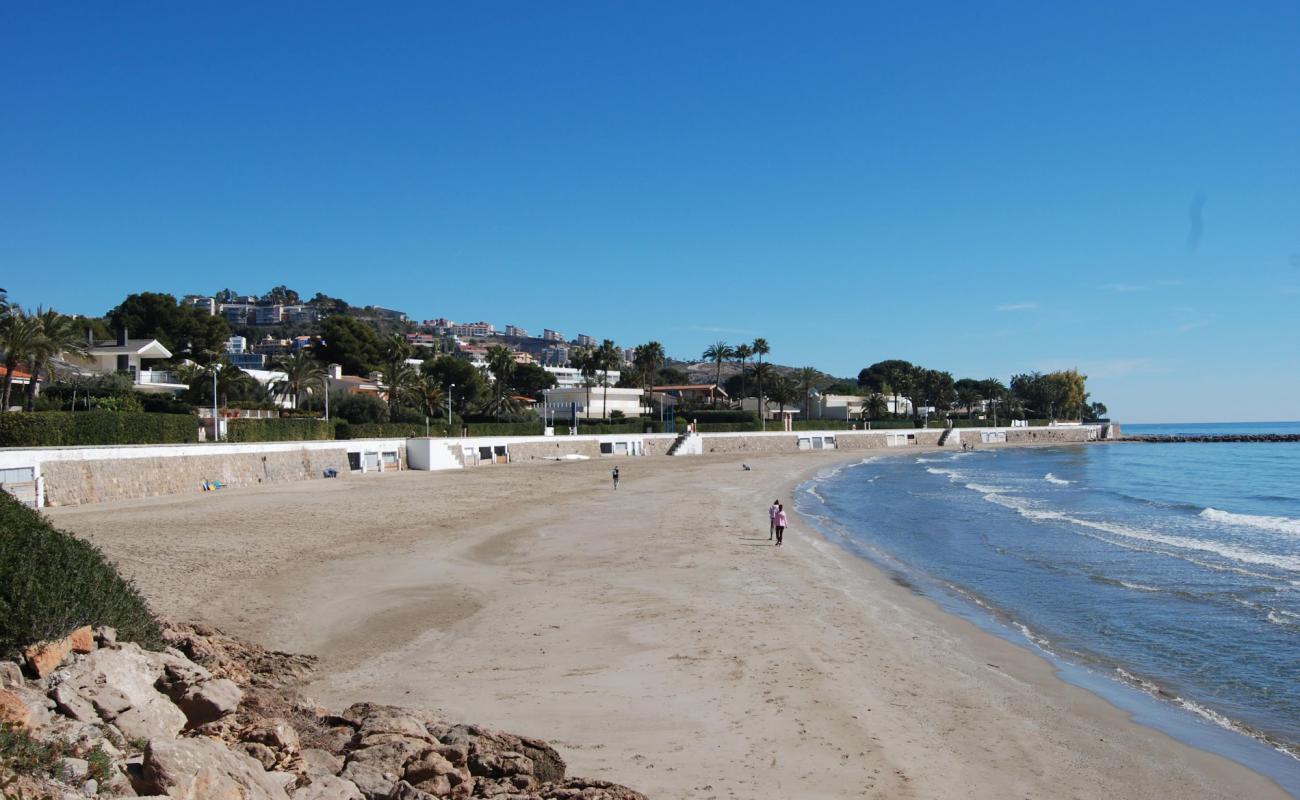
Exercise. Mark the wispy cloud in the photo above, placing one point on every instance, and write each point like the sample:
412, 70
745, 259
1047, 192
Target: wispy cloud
1026, 306
1188, 327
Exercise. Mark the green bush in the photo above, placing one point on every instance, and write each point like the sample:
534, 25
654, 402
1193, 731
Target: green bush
52, 583
358, 408
68, 428
394, 430
720, 415
278, 430
22, 754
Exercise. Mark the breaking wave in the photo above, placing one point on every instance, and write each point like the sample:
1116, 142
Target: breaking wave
1278, 524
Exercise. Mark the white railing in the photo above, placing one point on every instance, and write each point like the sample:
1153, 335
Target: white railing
157, 376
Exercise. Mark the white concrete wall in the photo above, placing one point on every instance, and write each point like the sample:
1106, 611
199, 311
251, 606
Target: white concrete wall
35, 457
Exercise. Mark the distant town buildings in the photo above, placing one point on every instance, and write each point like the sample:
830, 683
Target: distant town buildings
585, 341
515, 330
549, 335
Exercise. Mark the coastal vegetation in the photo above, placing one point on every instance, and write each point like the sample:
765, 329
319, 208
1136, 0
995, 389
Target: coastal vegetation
52, 583
427, 387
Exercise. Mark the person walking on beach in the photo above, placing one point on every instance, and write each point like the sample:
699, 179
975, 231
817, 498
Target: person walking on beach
771, 516
615, 478
780, 521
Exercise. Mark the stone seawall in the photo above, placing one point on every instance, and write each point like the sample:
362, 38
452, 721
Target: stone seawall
70, 483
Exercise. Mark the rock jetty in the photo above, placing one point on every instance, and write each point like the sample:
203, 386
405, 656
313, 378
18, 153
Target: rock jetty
1213, 438
211, 717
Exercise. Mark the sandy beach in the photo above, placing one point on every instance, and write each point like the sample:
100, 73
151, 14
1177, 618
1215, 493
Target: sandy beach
653, 633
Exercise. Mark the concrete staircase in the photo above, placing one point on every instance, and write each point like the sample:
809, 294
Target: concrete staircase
686, 444
948, 432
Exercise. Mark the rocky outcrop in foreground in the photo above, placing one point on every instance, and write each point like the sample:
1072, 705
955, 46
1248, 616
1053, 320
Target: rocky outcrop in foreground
214, 718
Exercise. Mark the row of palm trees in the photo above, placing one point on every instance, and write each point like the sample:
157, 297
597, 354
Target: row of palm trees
33, 340
720, 352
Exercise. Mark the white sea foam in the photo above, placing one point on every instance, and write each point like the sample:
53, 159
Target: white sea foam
987, 490
1141, 587
951, 473
1279, 617
1286, 562
1050, 478
1278, 524
1037, 640
1207, 714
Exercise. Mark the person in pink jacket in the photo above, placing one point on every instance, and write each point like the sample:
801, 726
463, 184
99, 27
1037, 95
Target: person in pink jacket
780, 521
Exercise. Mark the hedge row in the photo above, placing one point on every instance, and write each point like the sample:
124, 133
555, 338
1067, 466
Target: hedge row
278, 430
52, 583
68, 428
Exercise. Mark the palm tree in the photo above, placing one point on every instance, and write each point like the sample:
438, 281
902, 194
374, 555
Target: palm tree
19, 334
58, 335
809, 378
717, 353
763, 374
501, 363
608, 357
876, 407
584, 360
648, 359
302, 373
760, 348
742, 353
432, 397
784, 391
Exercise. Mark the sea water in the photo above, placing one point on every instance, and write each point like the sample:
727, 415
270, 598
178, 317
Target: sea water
1173, 568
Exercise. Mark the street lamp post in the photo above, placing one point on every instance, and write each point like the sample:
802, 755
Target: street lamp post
450, 389
216, 420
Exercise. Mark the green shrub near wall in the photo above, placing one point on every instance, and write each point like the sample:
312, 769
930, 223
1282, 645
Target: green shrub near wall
728, 415
52, 583
278, 430
79, 428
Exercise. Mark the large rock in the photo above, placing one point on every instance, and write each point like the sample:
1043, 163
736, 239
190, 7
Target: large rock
373, 782
328, 787
204, 769
82, 640
45, 657
120, 685
317, 762
275, 733
10, 674
25, 708
209, 701
14, 710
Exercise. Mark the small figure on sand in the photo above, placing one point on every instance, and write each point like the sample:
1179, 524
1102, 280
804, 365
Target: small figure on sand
780, 521
771, 517
615, 478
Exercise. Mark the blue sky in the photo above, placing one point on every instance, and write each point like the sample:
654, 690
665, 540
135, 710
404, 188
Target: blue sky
982, 190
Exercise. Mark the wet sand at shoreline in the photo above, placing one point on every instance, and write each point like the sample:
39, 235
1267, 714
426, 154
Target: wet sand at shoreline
653, 634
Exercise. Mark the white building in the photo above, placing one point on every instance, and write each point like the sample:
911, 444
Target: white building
128, 356
571, 377
552, 336
584, 340
473, 330
515, 330
236, 345
205, 304
268, 315
627, 401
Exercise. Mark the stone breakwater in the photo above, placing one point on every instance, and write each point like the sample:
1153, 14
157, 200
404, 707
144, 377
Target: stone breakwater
214, 718
1214, 438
